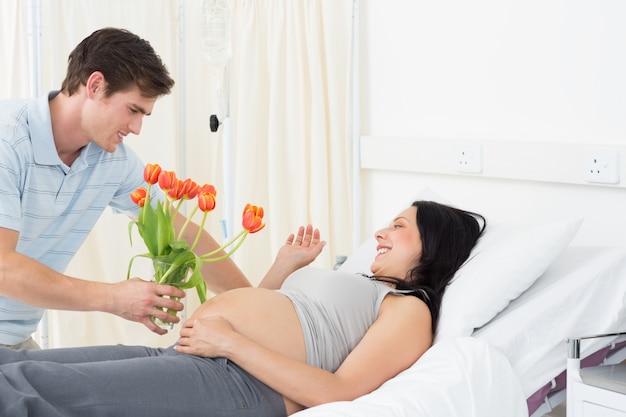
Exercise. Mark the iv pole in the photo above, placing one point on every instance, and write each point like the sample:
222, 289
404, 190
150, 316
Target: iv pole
216, 45
34, 52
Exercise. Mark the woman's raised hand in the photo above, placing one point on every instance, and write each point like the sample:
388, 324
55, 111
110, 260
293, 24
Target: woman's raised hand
299, 250
302, 248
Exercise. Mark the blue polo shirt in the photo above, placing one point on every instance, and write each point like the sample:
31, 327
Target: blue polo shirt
51, 205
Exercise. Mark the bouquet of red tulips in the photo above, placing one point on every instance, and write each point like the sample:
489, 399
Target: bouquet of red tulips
174, 259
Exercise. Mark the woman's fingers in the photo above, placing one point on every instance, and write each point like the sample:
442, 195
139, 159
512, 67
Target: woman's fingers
306, 236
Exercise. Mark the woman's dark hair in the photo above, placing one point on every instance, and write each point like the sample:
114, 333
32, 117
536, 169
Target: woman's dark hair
448, 236
124, 59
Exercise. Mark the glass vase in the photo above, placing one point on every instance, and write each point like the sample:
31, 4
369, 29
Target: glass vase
170, 273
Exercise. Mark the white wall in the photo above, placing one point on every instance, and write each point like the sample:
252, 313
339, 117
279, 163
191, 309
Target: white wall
500, 74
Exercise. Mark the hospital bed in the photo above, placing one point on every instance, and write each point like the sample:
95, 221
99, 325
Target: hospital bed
595, 391
500, 348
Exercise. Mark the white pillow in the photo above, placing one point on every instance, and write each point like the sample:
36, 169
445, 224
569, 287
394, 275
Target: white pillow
361, 260
506, 261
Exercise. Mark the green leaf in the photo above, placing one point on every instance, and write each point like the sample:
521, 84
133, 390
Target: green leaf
197, 280
148, 228
201, 290
130, 263
179, 245
130, 232
164, 229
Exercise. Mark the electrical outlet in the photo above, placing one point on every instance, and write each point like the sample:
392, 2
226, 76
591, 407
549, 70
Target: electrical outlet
468, 158
602, 166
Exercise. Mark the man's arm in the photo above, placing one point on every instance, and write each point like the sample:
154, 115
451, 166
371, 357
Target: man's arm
31, 282
219, 276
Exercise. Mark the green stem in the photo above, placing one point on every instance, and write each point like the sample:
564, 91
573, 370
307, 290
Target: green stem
187, 221
201, 228
180, 203
206, 256
229, 253
166, 202
142, 210
167, 273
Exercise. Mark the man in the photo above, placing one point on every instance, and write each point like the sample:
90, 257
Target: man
62, 162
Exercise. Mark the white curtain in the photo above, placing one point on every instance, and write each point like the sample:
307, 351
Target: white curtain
14, 49
289, 85
291, 72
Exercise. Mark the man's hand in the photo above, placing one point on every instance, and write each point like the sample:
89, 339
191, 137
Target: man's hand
139, 301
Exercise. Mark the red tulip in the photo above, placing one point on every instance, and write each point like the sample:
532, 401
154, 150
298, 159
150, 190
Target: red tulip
206, 202
167, 180
178, 190
207, 188
252, 218
190, 189
139, 196
151, 173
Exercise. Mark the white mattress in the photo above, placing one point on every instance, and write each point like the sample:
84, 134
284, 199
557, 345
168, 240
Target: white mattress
582, 293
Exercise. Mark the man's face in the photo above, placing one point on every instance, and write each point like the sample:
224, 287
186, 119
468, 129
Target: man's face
107, 120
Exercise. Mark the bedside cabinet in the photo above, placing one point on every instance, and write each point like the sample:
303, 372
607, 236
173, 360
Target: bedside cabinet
596, 391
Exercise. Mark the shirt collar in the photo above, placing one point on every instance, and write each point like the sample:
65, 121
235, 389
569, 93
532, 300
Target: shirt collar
42, 139
44, 150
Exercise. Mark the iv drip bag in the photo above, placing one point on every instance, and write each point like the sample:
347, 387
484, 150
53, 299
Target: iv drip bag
216, 31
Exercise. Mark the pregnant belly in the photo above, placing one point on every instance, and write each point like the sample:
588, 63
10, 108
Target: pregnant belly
262, 315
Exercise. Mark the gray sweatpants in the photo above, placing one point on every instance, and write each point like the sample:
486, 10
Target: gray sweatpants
131, 381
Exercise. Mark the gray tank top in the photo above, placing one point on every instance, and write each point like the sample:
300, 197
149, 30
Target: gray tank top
335, 310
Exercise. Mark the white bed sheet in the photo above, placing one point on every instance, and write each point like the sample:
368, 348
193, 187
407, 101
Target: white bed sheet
459, 377
582, 293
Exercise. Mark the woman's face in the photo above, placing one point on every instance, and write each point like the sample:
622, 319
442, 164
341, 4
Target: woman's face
399, 246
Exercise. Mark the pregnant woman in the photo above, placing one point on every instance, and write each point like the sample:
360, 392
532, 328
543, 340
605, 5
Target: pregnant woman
303, 337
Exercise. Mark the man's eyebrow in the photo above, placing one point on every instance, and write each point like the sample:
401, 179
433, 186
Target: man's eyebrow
140, 109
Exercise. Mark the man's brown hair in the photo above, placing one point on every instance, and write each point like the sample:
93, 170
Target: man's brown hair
123, 58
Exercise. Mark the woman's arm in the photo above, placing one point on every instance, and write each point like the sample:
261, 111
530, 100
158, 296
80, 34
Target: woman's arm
298, 251
400, 335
